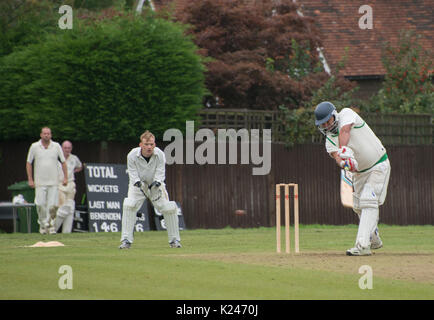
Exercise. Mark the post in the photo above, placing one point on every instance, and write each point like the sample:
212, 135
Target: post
296, 233
278, 217
287, 219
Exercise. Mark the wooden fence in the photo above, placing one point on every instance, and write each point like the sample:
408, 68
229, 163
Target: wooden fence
210, 194
392, 129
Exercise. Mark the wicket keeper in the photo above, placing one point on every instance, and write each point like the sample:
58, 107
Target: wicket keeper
146, 167
355, 147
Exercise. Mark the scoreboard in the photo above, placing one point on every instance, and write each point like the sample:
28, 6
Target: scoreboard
106, 188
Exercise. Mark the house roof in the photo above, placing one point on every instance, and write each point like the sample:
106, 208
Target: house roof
339, 23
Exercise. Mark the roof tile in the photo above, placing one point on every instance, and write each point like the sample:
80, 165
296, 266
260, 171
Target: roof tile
339, 22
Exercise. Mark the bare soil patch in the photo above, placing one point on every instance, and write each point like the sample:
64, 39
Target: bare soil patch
417, 267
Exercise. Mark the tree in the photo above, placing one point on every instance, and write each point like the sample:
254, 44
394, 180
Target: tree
255, 49
298, 124
23, 22
106, 79
94, 4
407, 86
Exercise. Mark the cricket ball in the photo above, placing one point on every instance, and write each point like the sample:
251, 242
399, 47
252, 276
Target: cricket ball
240, 212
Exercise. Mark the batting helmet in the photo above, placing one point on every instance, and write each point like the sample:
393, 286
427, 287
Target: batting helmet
323, 112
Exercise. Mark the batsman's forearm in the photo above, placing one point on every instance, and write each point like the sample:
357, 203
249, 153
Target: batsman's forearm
344, 136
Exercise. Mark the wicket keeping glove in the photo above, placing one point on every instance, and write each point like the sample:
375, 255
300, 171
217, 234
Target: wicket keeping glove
154, 184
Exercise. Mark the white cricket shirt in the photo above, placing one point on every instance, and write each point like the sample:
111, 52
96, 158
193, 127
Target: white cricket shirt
141, 170
368, 149
46, 159
72, 162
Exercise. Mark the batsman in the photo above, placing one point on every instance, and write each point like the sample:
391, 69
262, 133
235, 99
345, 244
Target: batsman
355, 147
146, 167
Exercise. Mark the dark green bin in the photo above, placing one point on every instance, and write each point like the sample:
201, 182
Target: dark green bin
28, 193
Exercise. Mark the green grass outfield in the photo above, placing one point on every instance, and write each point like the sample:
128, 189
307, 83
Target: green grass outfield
219, 264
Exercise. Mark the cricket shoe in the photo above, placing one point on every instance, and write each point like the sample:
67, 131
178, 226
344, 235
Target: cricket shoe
52, 230
44, 228
175, 244
358, 251
125, 244
376, 242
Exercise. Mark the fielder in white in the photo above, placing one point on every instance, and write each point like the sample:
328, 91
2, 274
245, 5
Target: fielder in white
65, 212
355, 147
146, 167
46, 154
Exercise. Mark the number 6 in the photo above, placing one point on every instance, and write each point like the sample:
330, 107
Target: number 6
113, 227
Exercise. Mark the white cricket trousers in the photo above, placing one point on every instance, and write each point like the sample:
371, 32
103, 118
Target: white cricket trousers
46, 200
370, 190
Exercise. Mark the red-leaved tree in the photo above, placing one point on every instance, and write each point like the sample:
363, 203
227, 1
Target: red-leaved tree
254, 62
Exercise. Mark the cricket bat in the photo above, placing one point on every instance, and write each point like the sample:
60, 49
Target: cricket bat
346, 188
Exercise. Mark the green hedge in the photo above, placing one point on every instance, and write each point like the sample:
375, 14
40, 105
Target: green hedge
107, 80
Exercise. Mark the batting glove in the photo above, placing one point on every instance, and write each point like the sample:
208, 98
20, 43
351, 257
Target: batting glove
345, 153
349, 164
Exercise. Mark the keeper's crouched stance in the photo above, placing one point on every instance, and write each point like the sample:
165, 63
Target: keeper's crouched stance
146, 171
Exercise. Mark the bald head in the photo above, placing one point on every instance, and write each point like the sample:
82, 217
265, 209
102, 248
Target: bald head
67, 148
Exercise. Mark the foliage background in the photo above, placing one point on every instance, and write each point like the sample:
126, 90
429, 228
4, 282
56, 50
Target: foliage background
115, 74
263, 53
109, 78
407, 86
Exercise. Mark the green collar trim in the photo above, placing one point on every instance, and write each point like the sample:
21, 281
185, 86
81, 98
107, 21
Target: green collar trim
331, 141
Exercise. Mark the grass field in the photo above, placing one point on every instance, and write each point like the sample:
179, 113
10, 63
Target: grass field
219, 264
